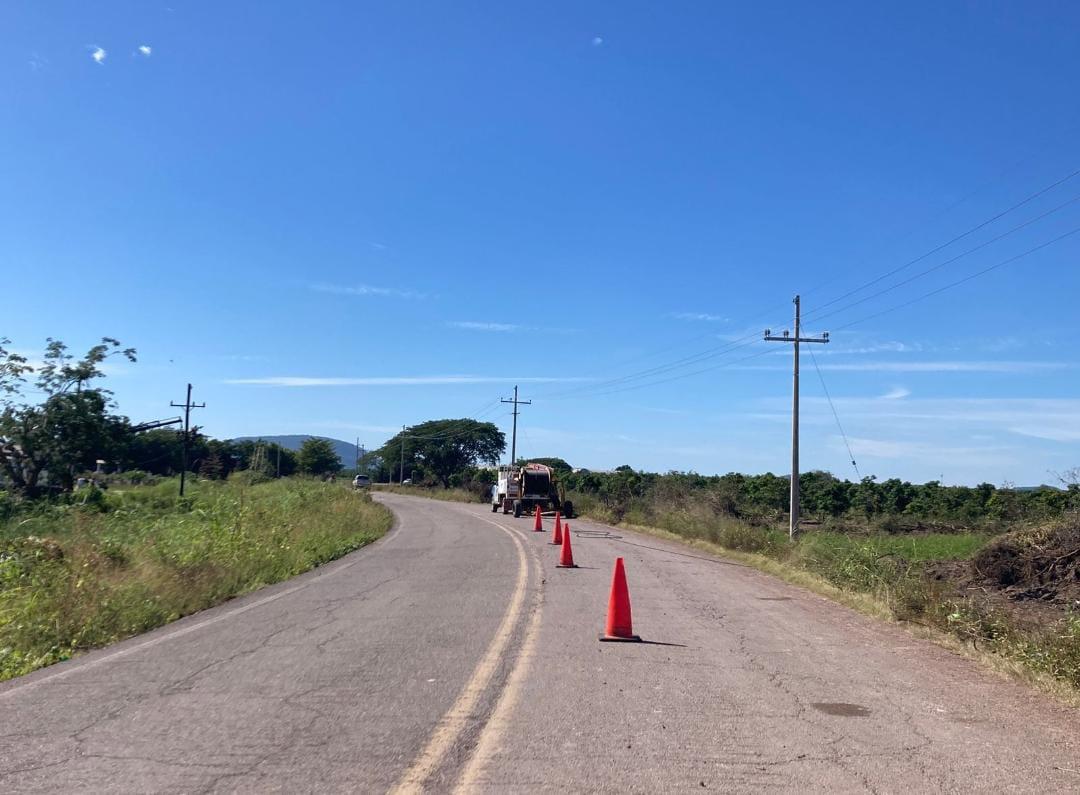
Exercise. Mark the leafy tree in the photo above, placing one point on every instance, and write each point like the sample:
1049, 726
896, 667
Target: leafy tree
211, 467
158, 451
317, 457
438, 449
70, 428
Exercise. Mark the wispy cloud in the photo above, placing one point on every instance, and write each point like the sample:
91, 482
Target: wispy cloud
896, 393
1051, 432
597, 41
366, 289
894, 449
472, 325
933, 367
505, 328
699, 317
98, 54
1052, 419
352, 426
891, 346
413, 380
144, 50
378, 246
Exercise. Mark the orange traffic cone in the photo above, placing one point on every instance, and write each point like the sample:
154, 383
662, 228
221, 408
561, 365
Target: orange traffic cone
538, 523
566, 554
619, 624
556, 535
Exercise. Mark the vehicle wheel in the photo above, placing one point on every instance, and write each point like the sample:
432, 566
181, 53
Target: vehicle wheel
568, 509
517, 509
494, 507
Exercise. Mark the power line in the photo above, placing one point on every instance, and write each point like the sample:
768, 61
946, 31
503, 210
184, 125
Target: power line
941, 213
956, 239
817, 316
836, 416
967, 278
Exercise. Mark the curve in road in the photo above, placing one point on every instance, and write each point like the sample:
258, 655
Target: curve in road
454, 654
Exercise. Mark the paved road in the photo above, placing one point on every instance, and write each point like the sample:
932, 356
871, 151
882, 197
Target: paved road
453, 654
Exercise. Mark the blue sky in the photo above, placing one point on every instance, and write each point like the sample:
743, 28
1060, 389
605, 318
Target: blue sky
338, 218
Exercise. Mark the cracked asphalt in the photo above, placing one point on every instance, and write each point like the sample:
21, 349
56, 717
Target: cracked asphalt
336, 681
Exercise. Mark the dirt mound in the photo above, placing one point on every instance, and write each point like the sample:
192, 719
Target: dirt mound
1039, 563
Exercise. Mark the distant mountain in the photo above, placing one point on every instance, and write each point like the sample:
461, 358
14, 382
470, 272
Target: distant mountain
346, 450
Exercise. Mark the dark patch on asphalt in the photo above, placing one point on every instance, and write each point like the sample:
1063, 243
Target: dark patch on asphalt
774, 598
841, 709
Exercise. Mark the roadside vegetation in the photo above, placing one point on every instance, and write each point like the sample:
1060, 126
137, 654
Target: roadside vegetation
97, 566
996, 568
434, 493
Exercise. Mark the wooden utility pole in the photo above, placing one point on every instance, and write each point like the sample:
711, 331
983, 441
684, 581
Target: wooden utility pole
793, 522
187, 406
513, 443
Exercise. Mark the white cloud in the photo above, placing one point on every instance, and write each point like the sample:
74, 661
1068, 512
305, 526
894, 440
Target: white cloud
352, 426
699, 317
897, 393
1054, 433
475, 326
597, 41
505, 328
892, 449
378, 246
366, 289
99, 55
419, 380
893, 346
144, 50
934, 367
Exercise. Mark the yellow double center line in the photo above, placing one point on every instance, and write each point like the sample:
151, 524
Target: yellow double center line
456, 719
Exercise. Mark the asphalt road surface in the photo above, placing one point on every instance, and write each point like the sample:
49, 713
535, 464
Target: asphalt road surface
453, 654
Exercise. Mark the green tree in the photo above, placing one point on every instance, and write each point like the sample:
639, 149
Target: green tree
441, 448
317, 457
71, 428
158, 451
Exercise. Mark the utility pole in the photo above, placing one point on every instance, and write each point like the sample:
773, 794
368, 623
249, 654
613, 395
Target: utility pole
187, 406
401, 472
513, 444
357, 455
793, 524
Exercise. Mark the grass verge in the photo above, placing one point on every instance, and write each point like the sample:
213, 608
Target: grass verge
888, 576
79, 576
447, 495
1042, 660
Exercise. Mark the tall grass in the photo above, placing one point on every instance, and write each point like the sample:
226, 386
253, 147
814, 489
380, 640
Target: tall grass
81, 575
888, 566
433, 492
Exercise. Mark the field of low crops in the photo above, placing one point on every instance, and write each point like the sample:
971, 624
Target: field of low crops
105, 565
